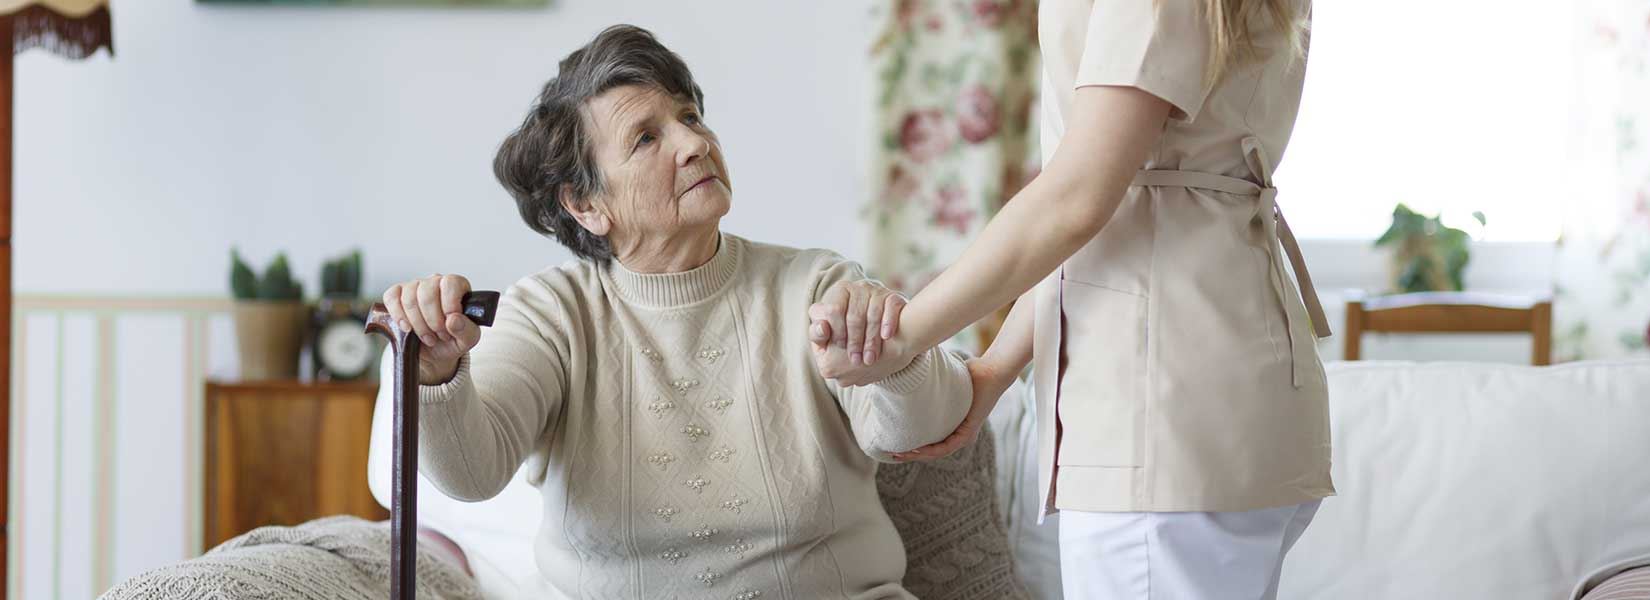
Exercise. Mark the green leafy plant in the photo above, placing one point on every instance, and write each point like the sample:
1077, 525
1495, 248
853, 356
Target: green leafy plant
341, 277
1427, 255
275, 284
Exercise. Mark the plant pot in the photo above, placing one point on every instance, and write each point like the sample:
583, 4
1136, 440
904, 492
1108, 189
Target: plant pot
270, 335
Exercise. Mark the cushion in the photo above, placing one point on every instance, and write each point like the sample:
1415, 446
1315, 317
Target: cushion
947, 515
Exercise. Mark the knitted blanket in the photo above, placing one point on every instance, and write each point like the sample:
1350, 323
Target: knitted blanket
334, 558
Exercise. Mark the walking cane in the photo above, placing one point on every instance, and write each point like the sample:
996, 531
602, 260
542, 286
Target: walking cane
479, 307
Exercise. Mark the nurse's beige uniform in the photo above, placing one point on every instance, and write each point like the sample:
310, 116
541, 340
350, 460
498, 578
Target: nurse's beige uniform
1176, 348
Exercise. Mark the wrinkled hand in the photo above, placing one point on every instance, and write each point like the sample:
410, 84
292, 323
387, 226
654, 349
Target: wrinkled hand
989, 384
851, 329
433, 308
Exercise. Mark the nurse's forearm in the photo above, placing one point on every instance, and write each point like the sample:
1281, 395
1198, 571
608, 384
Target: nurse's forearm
1029, 237
1111, 131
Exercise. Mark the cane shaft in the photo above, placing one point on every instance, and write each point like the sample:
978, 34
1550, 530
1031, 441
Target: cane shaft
404, 486
480, 308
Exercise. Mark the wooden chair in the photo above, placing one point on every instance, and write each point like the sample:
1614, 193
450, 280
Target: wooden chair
1450, 312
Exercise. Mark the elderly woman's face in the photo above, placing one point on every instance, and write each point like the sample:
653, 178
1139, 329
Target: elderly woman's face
661, 164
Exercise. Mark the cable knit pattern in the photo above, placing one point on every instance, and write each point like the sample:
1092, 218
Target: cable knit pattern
947, 514
1632, 584
335, 558
681, 437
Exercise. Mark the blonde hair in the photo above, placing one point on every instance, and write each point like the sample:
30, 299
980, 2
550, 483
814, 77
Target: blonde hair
1233, 30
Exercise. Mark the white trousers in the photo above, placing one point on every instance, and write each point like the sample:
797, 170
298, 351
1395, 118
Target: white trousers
1178, 555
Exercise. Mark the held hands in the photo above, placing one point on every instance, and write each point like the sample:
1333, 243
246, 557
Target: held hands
990, 381
433, 308
852, 329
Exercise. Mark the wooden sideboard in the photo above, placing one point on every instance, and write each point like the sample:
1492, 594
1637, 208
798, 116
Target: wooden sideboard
285, 452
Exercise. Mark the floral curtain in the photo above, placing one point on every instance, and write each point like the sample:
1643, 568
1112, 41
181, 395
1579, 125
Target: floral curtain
1602, 300
955, 98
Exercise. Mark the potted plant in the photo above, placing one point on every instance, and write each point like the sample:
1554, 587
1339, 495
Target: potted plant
341, 347
1427, 256
270, 318
341, 277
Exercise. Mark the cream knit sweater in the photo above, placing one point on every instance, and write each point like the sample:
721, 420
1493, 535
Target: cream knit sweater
683, 442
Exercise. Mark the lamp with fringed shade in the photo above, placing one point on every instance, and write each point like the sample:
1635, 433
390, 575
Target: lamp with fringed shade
72, 29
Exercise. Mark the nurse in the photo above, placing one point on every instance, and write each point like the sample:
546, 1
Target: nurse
1182, 404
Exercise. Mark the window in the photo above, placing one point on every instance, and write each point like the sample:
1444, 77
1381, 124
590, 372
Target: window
1448, 106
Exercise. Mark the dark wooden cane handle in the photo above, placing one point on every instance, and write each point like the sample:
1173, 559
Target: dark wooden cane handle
480, 308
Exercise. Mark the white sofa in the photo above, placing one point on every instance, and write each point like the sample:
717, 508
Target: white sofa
1479, 481
1456, 480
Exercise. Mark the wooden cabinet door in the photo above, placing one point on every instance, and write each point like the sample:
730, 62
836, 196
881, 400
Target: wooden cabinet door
281, 453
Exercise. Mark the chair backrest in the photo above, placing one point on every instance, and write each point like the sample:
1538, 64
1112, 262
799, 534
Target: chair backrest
1450, 312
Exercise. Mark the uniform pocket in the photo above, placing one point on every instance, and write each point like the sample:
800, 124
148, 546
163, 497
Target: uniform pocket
1103, 375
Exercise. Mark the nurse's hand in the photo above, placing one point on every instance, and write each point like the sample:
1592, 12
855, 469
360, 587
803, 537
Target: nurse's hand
990, 381
433, 308
850, 329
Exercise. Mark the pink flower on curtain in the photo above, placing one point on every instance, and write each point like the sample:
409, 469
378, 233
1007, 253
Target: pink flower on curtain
901, 184
922, 134
905, 11
951, 210
977, 116
990, 12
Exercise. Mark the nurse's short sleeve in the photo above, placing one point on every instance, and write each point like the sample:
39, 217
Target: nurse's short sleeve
1160, 46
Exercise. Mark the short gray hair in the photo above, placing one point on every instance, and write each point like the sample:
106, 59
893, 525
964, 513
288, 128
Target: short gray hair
552, 148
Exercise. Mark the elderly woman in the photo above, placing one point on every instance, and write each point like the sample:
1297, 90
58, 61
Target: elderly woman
663, 390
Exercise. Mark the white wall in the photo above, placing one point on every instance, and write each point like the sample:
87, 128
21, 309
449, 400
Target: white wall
316, 129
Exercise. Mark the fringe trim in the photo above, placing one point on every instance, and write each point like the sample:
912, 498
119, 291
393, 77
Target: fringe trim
36, 26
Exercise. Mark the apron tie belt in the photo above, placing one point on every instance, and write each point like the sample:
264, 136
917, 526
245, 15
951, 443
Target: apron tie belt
1280, 240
